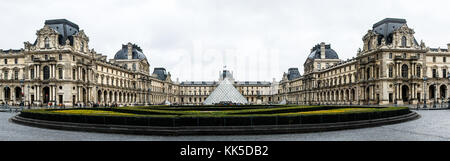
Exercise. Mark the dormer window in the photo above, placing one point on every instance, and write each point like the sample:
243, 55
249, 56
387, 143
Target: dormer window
403, 41
47, 43
82, 46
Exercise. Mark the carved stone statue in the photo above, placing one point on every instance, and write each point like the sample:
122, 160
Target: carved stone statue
67, 42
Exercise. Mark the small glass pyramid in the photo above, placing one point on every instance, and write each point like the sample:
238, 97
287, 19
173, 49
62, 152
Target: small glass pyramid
225, 92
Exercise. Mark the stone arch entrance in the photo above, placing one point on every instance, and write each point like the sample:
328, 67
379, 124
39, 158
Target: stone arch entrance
443, 92
99, 96
405, 94
367, 96
46, 95
84, 96
432, 91
7, 94
18, 94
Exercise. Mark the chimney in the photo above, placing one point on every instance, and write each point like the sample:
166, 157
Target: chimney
322, 50
130, 51
448, 46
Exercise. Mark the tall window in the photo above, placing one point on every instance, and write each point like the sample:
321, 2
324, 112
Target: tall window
444, 59
434, 73
73, 74
5, 74
444, 73
60, 73
368, 45
32, 73
46, 73
82, 46
60, 56
6, 61
434, 59
403, 41
47, 43
390, 55
16, 75
15, 61
405, 71
418, 71
390, 71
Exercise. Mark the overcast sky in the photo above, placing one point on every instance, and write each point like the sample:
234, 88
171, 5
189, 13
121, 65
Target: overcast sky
194, 39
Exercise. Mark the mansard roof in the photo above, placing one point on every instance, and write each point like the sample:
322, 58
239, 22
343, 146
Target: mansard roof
388, 26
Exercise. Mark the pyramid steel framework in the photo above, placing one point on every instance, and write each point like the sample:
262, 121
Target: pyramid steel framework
225, 92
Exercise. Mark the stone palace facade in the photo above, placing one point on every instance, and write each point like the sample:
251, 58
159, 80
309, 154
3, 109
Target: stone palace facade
392, 68
60, 69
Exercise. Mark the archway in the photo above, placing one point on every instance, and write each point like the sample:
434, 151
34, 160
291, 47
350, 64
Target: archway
432, 91
443, 91
347, 92
353, 95
7, 94
110, 96
405, 93
367, 96
99, 96
84, 96
46, 95
105, 94
18, 94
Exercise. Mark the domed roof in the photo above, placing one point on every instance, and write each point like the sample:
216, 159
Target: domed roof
329, 53
135, 50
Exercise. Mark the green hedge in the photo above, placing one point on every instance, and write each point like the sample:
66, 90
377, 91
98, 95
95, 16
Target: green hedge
218, 120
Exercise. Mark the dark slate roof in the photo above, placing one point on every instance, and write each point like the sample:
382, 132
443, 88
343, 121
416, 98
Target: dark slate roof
13, 51
252, 83
293, 73
437, 49
199, 83
388, 26
61, 21
64, 28
329, 53
136, 53
160, 73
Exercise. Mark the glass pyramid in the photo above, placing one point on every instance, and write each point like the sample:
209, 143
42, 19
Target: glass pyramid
225, 92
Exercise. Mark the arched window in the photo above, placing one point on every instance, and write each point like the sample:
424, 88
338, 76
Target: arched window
46, 72
403, 41
405, 71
